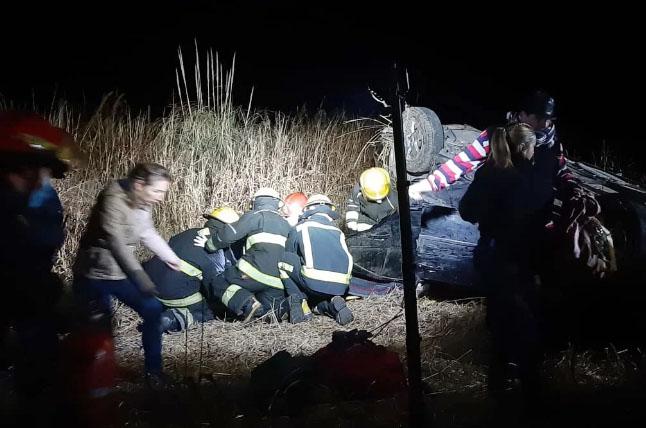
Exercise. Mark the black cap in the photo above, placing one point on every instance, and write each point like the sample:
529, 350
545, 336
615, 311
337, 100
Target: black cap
539, 103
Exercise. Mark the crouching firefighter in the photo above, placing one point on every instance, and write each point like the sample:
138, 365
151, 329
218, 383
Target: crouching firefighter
371, 201
318, 262
180, 291
252, 287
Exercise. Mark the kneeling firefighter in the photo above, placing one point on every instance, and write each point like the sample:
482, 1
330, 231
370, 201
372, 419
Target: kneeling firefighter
317, 261
180, 291
252, 287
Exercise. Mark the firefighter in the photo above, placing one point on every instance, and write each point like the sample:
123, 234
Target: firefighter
180, 291
29, 151
293, 207
371, 201
318, 262
252, 287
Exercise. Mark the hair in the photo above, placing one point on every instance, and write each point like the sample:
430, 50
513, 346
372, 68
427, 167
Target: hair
148, 172
509, 143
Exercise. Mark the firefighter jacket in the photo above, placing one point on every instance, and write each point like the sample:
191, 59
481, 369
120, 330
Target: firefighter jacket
326, 261
182, 289
264, 232
362, 214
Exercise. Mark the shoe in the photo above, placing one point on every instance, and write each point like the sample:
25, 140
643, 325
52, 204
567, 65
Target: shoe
307, 312
342, 314
296, 314
250, 309
169, 323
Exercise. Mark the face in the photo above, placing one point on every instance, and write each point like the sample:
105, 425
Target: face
152, 193
535, 121
528, 151
25, 181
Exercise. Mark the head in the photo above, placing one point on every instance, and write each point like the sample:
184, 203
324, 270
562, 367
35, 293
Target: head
294, 203
512, 144
318, 200
537, 110
223, 214
375, 184
266, 197
29, 148
149, 183
220, 216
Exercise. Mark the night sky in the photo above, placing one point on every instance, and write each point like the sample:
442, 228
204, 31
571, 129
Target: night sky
468, 65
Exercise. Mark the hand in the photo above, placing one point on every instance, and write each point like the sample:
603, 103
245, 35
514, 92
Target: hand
200, 241
415, 190
144, 283
175, 264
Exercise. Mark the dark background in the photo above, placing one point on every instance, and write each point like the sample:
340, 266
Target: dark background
469, 65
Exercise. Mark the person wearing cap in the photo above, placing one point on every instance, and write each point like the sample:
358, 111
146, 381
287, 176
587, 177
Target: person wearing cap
28, 152
180, 291
371, 201
317, 261
252, 287
536, 109
553, 179
106, 264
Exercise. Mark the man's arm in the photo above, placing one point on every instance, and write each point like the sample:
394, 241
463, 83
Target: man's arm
355, 220
230, 233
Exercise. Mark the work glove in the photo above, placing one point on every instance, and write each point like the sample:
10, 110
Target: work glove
144, 283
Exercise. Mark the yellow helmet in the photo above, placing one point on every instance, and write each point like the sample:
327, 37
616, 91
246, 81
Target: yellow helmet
375, 183
224, 214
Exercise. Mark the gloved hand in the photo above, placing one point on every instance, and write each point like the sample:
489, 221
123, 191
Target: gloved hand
144, 283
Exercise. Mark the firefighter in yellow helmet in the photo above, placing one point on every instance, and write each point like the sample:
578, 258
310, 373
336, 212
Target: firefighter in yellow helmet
252, 287
181, 291
371, 201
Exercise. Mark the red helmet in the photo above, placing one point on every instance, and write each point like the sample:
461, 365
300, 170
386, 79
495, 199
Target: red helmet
294, 203
28, 139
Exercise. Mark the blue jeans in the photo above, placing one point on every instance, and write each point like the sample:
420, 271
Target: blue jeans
148, 307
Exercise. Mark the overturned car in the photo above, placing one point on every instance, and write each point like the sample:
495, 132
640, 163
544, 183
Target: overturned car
445, 242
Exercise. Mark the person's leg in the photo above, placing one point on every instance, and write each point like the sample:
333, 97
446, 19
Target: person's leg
290, 274
227, 289
332, 306
274, 300
150, 309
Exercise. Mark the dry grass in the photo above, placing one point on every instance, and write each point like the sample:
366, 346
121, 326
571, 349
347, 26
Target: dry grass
219, 155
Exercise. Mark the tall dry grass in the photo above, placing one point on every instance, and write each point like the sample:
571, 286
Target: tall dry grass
218, 154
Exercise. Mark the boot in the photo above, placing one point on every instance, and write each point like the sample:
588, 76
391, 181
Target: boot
250, 309
342, 314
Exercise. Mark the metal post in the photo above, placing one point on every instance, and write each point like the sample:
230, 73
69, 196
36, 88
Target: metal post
416, 399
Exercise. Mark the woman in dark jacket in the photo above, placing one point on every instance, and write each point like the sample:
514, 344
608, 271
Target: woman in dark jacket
504, 200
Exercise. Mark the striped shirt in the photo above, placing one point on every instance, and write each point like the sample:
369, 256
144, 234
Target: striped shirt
476, 153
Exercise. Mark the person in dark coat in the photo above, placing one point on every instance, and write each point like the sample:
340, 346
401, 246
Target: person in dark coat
504, 199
